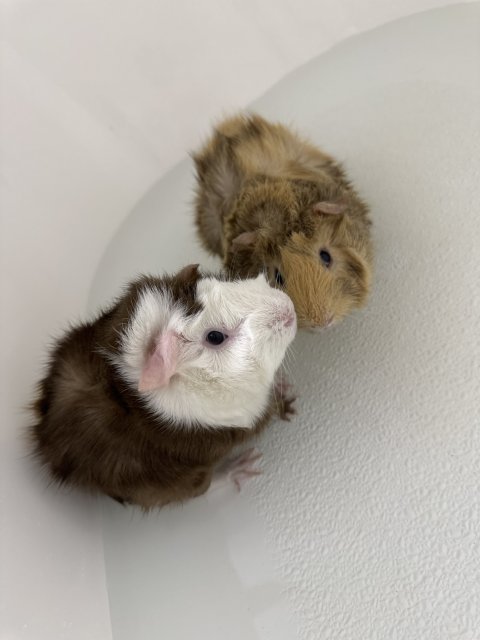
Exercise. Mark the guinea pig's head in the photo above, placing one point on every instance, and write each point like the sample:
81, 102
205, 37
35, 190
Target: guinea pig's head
328, 274
203, 350
320, 257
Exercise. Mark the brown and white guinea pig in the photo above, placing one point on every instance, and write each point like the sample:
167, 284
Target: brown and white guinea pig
268, 200
143, 402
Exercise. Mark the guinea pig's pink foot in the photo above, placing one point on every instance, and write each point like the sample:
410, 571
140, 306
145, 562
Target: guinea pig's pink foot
240, 469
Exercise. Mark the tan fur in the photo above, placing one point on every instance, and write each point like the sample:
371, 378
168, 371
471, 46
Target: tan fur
260, 178
275, 151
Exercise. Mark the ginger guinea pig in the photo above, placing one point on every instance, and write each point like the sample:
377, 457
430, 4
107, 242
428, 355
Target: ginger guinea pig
144, 402
266, 200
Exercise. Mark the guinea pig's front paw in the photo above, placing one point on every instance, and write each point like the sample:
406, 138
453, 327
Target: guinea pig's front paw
285, 408
240, 469
284, 398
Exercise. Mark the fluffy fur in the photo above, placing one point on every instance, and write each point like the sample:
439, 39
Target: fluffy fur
266, 200
104, 425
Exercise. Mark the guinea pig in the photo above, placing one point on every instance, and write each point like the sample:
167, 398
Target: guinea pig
144, 402
266, 200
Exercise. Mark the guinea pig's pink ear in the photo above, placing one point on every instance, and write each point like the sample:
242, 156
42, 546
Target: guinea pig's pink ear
330, 208
160, 364
244, 240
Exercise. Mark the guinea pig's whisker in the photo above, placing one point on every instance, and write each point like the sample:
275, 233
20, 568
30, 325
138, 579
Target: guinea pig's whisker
288, 362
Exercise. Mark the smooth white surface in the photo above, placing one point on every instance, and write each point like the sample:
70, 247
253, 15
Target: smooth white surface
98, 98
367, 516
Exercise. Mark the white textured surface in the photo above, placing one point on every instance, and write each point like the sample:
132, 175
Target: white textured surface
98, 98
369, 504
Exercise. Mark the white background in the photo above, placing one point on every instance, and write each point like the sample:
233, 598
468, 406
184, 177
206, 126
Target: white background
98, 100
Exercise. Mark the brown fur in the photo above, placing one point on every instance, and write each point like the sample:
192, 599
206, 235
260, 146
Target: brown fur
260, 178
92, 430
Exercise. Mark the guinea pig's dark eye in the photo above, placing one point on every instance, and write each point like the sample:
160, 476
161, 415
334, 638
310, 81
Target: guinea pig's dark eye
279, 278
325, 257
215, 337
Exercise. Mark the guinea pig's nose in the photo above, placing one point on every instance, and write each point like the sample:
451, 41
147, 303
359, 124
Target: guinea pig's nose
322, 324
289, 319
286, 315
